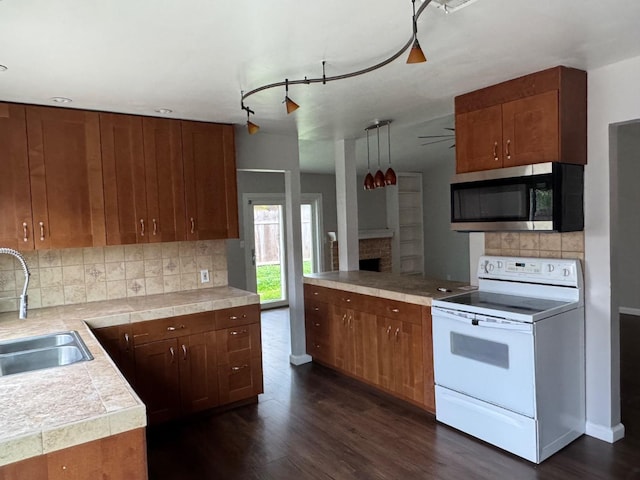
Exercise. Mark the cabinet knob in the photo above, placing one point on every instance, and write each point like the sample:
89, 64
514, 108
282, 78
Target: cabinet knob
316, 308
315, 293
395, 310
316, 324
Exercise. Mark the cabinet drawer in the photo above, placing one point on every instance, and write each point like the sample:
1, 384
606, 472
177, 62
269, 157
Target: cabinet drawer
407, 312
316, 309
320, 349
173, 327
234, 342
317, 293
240, 380
318, 327
232, 317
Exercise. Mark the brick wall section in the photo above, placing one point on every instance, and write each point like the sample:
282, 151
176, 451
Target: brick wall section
368, 248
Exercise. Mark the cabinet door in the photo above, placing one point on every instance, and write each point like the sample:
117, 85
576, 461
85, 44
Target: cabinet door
407, 361
124, 179
365, 338
66, 177
157, 379
342, 327
16, 228
210, 181
531, 130
427, 359
479, 140
198, 372
164, 179
384, 329
118, 342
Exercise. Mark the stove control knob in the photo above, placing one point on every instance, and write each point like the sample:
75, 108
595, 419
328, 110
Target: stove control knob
566, 272
490, 267
551, 267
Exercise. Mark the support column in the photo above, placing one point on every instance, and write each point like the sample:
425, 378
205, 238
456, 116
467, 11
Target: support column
347, 204
294, 267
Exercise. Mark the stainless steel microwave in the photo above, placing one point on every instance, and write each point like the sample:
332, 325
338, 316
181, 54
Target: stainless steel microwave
545, 197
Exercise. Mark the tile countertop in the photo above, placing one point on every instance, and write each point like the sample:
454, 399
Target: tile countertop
52, 409
405, 288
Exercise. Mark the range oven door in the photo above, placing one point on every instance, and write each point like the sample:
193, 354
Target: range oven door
490, 359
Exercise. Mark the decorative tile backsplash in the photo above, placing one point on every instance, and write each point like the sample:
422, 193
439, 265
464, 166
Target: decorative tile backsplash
79, 275
528, 244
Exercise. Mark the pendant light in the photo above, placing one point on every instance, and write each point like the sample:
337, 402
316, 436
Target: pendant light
378, 179
290, 104
390, 175
416, 55
368, 180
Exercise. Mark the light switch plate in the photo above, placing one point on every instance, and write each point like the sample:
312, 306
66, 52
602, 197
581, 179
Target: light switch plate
204, 276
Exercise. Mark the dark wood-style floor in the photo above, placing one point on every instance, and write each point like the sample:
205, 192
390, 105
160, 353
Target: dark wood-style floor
312, 423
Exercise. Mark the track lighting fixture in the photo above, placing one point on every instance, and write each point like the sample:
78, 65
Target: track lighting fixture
416, 55
290, 104
251, 127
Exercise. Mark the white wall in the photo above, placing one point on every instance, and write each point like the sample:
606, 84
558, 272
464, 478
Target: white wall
612, 97
627, 223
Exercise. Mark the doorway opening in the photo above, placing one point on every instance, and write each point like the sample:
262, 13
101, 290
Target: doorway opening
265, 234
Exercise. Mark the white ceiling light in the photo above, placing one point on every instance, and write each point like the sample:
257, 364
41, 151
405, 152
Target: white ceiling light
61, 100
450, 6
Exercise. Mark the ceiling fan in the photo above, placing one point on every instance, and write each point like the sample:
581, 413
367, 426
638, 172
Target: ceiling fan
440, 138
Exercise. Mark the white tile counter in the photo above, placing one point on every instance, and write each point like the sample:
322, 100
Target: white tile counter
56, 408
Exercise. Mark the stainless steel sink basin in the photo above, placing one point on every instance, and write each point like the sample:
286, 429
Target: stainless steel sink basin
45, 351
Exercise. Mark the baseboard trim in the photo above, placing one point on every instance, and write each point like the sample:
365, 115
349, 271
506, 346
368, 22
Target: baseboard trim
608, 434
299, 359
629, 311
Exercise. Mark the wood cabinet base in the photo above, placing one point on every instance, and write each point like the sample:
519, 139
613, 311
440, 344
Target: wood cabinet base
119, 457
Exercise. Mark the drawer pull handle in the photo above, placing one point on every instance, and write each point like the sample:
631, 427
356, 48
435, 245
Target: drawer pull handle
184, 351
173, 329
316, 324
126, 341
237, 332
193, 225
348, 300
316, 308
396, 334
142, 227
315, 293
41, 231
238, 368
155, 226
508, 150
25, 232
395, 310
344, 319
233, 317
173, 354
388, 330
495, 152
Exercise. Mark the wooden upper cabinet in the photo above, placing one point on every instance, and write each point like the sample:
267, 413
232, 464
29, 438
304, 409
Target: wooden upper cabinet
208, 153
124, 179
66, 177
537, 118
143, 181
479, 139
164, 179
16, 226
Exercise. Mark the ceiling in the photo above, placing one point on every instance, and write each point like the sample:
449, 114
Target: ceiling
196, 56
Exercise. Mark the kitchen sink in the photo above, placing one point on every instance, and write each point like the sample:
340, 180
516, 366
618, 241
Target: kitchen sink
45, 351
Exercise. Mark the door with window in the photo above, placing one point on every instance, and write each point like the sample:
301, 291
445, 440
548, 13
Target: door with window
266, 248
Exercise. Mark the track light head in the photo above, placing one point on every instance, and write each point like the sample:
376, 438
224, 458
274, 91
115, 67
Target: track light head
291, 105
252, 127
416, 55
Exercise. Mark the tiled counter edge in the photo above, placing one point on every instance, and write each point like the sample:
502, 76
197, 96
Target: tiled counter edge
57, 408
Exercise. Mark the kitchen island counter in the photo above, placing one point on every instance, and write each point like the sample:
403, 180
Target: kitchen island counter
52, 409
405, 288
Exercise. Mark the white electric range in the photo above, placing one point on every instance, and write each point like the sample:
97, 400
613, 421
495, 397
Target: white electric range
509, 358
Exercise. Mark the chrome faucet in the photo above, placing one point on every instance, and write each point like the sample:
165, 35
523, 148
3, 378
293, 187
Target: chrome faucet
23, 298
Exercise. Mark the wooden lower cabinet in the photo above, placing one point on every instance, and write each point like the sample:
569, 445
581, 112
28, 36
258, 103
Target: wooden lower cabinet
119, 457
385, 343
185, 364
